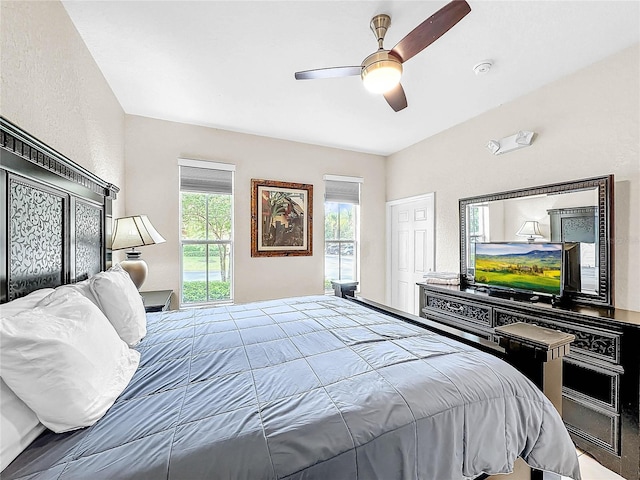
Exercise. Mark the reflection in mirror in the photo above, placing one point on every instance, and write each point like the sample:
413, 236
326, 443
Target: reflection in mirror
568, 217
574, 213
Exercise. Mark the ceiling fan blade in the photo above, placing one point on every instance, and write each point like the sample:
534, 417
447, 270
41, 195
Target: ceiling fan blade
396, 98
430, 30
330, 72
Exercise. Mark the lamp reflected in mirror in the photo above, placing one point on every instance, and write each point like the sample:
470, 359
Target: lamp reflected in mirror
131, 232
531, 230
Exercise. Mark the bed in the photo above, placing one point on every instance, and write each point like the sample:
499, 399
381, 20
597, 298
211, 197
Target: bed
299, 388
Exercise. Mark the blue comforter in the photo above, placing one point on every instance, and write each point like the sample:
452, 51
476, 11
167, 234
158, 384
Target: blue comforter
305, 388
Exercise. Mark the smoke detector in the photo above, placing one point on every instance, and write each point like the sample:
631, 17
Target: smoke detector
483, 67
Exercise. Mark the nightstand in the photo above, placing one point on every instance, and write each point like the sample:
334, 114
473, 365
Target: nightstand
157, 300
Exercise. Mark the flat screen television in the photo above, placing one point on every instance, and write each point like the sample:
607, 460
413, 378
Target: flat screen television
530, 268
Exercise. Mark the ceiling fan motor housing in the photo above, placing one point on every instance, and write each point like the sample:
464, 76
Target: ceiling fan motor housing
379, 25
381, 71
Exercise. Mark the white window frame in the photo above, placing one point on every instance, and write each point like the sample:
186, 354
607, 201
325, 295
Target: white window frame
356, 241
482, 235
186, 162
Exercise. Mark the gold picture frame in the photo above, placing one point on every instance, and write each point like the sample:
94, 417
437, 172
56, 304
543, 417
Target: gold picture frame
281, 219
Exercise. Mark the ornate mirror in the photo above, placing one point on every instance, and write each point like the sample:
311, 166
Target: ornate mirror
578, 214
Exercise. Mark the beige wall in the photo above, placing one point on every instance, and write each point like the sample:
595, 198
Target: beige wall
52, 88
152, 149
587, 125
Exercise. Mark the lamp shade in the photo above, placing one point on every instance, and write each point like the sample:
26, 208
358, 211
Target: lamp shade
530, 229
134, 231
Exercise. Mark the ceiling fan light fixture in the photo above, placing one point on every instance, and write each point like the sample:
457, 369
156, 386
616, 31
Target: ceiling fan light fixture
381, 72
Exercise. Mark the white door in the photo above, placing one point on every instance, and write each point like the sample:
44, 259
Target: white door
410, 249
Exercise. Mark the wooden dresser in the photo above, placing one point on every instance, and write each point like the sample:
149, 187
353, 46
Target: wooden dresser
601, 374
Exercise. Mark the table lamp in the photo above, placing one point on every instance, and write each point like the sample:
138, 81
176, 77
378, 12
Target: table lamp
131, 232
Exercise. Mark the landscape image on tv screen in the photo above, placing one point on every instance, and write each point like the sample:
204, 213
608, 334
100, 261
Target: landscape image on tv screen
533, 267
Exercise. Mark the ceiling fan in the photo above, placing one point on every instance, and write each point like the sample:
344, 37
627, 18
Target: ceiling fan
381, 71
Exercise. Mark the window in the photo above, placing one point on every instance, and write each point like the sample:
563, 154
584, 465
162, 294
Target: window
478, 228
206, 232
479, 223
341, 228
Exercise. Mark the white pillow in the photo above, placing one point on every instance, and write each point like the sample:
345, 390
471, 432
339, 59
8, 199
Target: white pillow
18, 423
83, 288
65, 361
121, 302
23, 303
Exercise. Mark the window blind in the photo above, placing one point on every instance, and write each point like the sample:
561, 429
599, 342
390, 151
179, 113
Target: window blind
206, 180
342, 192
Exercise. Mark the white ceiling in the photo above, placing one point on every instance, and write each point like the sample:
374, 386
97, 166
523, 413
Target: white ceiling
230, 64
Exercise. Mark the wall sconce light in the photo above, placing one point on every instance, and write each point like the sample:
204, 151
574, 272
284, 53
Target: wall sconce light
507, 144
531, 230
493, 146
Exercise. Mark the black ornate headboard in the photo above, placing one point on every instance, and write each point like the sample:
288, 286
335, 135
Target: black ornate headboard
55, 216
